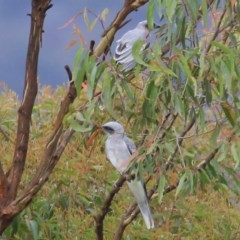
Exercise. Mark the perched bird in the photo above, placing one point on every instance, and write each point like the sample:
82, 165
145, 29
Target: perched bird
123, 53
119, 148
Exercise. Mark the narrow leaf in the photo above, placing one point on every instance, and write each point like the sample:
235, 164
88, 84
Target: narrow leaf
104, 14
181, 184
204, 12
161, 187
137, 52
235, 150
85, 17
93, 24
150, 13
229, 113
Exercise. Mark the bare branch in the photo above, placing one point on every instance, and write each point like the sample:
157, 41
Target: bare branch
39, 9
180, 141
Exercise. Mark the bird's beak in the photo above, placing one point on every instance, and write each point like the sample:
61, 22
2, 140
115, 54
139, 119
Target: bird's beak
93, 136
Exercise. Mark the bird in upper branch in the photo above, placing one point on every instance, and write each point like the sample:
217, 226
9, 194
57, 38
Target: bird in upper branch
123, 53
119, 149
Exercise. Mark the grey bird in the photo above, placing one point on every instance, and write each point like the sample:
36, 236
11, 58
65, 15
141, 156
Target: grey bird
123, 53
119, 148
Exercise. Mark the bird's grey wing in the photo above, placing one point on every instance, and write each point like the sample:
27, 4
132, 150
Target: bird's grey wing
130, 145
123, 51
124, 46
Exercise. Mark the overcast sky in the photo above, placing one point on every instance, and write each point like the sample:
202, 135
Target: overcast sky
15, 25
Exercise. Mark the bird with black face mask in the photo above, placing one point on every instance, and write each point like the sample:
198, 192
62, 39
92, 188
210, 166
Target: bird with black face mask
119, 148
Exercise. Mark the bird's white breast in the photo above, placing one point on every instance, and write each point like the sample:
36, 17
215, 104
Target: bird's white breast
117, 152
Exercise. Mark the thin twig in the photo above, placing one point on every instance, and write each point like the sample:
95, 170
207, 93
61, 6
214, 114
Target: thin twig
181, 138
206, 161
217, 30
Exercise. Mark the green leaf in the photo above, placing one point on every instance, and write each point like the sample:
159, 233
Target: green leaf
78, 69
162, 69
170, 9
160, 8
129, 90
208, 91
80, 128
179, 105
161, 188
211, 170
185, 66
33, 228
204, 177
92, 82
78, 58
202, 118
202, 63
137, 52
235, 150
104, 14
150, 13
152, 91
189, 176
79, 116
224, 48
229, 113
204, 12
93, 24
79, 80
193, 6
85, 17
181, 184
215, 134
77, 61
79, 123
108, 90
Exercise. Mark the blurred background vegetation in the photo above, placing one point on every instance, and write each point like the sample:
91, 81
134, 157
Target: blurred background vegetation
64, 208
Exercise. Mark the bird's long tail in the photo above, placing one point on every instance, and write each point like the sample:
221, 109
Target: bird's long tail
139, 193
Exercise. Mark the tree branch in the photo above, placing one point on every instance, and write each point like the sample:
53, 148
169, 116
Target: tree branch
3, 186
39, 9
52, 153
181, 137
108, 35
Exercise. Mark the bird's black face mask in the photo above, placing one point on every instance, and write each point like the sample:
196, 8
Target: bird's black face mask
108, 129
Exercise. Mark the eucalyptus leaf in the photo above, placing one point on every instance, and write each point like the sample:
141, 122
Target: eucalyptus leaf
161, 188
181, 184
150, 13
137, 52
